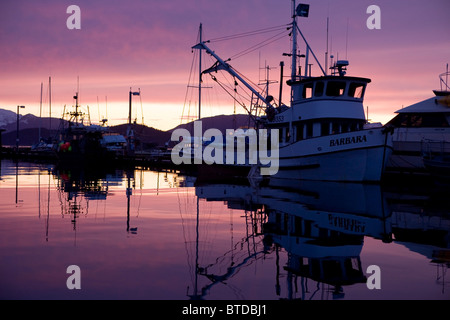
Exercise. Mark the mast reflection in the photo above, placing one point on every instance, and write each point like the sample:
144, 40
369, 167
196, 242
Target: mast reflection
319, 226
77, 187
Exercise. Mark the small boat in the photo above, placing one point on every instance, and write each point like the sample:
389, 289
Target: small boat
81, 144
114, 142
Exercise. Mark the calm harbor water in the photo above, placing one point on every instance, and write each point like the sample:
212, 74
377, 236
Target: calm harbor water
154, 235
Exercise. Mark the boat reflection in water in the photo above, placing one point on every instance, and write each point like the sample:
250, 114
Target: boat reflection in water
78, 186
267, 241
321, 226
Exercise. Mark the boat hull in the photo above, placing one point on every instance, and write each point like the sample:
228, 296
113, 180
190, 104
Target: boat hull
408, 146
359, 156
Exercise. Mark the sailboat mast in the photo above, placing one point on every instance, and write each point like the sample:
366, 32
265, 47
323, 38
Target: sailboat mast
40, 113
50, 101
200, 31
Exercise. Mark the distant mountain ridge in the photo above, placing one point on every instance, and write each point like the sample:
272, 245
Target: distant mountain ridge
29, 128
30, 121
7, 117
158, 137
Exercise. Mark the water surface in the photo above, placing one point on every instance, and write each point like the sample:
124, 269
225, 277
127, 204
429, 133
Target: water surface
156, 235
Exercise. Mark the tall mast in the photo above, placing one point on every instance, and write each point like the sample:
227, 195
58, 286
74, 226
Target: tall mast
40, 114
50, 101
294, 42
302, 11
326, 53
76, 100
200, 31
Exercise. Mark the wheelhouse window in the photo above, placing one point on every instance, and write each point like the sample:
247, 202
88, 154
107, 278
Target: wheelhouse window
318, 90
325, 128
335, 127
335, 88
411, 120
309, 130
307, 90
356, 90
299, 132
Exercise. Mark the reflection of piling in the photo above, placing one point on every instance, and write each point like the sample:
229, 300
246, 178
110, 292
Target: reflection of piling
1, 141
129, 193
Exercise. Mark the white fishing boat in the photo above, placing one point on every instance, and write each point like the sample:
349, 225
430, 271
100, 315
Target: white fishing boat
323, 134
422, 130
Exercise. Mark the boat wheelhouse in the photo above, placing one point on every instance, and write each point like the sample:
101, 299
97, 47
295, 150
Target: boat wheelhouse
322, 106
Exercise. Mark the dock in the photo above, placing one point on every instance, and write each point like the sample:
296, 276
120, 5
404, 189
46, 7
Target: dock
160, 160
156, 160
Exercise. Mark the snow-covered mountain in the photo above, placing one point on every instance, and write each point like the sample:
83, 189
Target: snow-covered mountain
7, 117
8, 121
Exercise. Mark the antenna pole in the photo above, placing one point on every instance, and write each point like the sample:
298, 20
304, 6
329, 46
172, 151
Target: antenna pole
306, 60
346, 42
309, 49
446, 76
281, 82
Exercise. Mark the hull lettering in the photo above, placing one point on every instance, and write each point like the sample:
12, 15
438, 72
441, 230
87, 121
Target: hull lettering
348, 140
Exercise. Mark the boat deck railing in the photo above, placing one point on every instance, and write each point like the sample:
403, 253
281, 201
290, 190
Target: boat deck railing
431, 148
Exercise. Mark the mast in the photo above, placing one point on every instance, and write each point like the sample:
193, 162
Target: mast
76, 108
200, 31
326, 53
76, 101
294, 42
281, 82
302, 10
40, 114
50, 101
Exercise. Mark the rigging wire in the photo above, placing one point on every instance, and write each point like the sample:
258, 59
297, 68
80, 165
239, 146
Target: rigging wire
231, 95
233, 86
249, 33
257, 46
188, 86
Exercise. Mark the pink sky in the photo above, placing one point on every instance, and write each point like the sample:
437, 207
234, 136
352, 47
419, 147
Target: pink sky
147, 45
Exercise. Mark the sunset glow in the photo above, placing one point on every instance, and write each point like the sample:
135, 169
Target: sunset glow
146, 45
